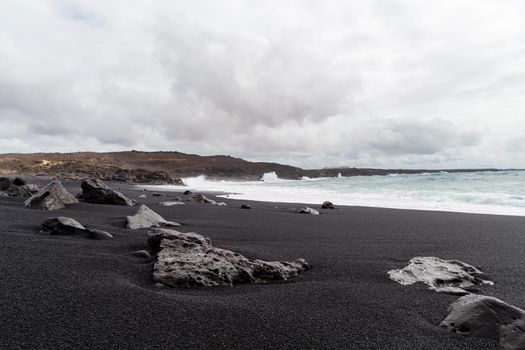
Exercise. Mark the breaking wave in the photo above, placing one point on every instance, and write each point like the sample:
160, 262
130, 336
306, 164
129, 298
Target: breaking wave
477, 192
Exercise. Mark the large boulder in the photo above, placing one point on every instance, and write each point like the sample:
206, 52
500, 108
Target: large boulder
190, 260
67, 226
146, 218
443, 276
96, 191
51, 197
487, 317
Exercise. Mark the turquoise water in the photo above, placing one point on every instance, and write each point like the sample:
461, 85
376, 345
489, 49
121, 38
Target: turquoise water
477, 192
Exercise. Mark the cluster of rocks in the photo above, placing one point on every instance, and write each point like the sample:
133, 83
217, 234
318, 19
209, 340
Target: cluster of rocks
16, 187
471, 314
182, 259
189, 196
190, 260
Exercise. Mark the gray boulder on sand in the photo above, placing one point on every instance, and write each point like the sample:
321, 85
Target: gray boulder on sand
487, 317
143, 196
190, 260
146, 218
51, 197
96, 191
245, 206
307, 210
327, 205
67, 226
443, 276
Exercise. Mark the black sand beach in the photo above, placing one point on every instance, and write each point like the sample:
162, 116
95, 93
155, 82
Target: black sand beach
62, 292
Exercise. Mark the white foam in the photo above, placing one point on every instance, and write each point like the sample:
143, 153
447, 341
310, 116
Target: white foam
486, 193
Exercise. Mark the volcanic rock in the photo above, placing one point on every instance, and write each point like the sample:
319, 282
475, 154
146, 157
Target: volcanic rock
245, 206
156, 194
327, 205
171, 203
307, 210
443, 276
17, 181
4, 183
143, 196
96, 191
146, 218
487, 317
190, 260
67, 226
50, 197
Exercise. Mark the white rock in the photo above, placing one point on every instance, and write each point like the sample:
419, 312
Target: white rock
444, 276
146, 218
171, 203
308, 210
190, 260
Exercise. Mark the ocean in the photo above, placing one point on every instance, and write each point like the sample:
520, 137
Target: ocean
486, 192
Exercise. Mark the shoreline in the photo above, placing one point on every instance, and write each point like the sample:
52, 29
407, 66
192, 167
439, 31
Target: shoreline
71, 292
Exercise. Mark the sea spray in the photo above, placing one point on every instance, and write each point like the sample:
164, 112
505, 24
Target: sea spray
488, 192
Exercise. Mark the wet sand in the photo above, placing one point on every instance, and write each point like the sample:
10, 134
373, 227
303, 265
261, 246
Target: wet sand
62, 292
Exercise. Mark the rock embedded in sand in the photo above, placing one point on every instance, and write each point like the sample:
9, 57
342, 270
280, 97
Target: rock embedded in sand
245, 206
443, 276
68, 226
51, 197
307, 210
146, 218
190, 260
171, 203
143, 196
18, 181
141, 254
327, 205
157, 194
487, 317
96, 191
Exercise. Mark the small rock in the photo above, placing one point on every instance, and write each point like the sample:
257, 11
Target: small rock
32, 188
68, 226
96, 191
63, 226
327, 205
156, 194
221, 204
146, 218
51, 197
143, 196
307, 210
187, 193
171, 203
19, 181
245, 206
99, 234
142, 254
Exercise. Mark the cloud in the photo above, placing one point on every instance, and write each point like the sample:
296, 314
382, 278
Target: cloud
362, 83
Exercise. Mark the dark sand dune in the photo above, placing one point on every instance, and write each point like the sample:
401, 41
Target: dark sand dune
61, 292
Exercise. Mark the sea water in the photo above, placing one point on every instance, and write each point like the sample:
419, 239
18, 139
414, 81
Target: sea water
488, 192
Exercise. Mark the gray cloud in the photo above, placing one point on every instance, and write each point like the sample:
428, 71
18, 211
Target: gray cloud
365, 83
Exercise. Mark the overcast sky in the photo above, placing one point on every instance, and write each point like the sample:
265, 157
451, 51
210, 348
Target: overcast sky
311, 83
